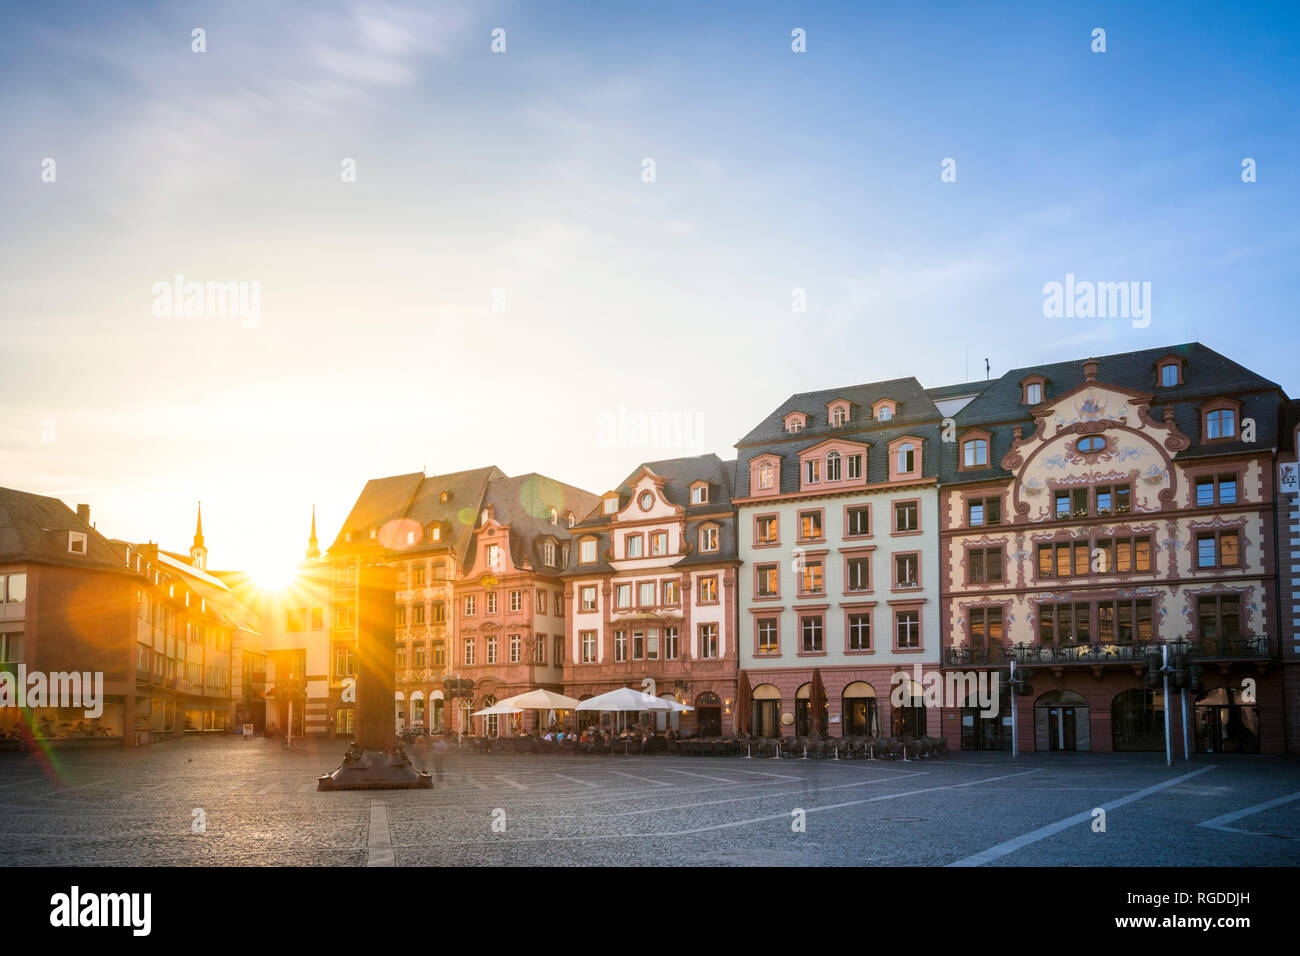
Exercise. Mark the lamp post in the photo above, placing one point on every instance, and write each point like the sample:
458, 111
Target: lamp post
1020, 687
454, 687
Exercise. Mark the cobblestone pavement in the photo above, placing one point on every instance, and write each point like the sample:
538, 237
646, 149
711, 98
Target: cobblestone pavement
260, 807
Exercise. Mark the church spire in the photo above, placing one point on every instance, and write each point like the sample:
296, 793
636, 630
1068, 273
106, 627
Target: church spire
313, 548
198, 552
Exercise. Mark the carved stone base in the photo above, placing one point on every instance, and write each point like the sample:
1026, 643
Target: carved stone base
375, 770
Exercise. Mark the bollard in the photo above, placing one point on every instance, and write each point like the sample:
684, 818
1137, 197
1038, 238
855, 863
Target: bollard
749, 751
872, 754
837, 751
805, 752
905, 760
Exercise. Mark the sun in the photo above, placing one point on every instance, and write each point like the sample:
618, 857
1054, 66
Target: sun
271, 574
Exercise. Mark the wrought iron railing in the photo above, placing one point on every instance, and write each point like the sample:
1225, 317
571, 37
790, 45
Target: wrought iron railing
1252, 647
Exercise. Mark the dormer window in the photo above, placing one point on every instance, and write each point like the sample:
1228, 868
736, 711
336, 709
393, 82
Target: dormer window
1169, 371
548, 554
1033, 393
975, 453
610, 504
884, 410
555, 516
436, 533
906, 458
833, 466
445, 497
709, 538
77, 542
795, 422
839, 416
374, 533
884, 414
838, 413
766, 476
571, 519
587, 551
700, 493
1221, 423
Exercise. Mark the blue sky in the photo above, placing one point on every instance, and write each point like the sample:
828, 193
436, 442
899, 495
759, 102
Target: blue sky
376, 350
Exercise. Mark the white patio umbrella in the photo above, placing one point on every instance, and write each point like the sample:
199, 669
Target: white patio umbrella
541, 699
625, 699
498, 708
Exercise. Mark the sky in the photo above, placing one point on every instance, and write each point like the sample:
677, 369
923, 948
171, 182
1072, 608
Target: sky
503, 283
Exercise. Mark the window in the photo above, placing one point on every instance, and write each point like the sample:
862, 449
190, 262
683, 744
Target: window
620, 646
516, 648
548, 554
435, 534
765, 530
570, 520
671, 649
1105, 556
469, 650
559, 604
77, 542
439, 654
907, 570
558, 660
588, 639
438, 612
907, 628
859, 632
985, 626
884, 413
906, 516
794, 425
588, 593
659, 543
1033, 393
812, 471
700, 495
708, 590
839, 416
417, 576
1221, 423
709, 539
587, 551
906, 458
1064, 623
810, 525
1169, 374
1090, 444
1220, 489
833, 466
492, 602
670, 594
983, 565
539, 601
766, 475
975, 453
983, 511
854, 463
811, 578
611, 505
494, 556
564, 554
857, 574
1217, 549
768, 580
1113, 498
539, 650
811, 634
492, 649
345, 616
766, 632
417, 614
1218, 617
623, 596
708, 641
401, 657
646, 594
632, 545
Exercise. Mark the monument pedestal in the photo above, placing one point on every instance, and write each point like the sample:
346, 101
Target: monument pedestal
375, 770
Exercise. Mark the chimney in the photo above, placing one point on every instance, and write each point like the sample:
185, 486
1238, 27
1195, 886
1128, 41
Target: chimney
83, 513
1090, 370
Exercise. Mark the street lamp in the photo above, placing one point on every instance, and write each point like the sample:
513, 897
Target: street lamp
452, 688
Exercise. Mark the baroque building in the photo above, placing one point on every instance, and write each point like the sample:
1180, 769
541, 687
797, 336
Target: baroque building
1097, 515
837, 518
651, 591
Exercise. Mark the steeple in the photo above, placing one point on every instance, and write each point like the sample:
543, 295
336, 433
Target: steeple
199, 553
313, 549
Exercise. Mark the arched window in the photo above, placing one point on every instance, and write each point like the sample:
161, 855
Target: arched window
833, 466
1137, 720
570, 519
491, 727
802, 710
839, 416
861, 716
884, 413
708, 714
767, 711
765, 475
910, 719
555, 516
1221, 423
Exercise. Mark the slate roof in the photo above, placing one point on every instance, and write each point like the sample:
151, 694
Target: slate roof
1206, 374
679, 475
524, 503
35, 528
916, 416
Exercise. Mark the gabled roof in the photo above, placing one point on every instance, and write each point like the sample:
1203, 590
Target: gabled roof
35, 528
524, 503
914, 405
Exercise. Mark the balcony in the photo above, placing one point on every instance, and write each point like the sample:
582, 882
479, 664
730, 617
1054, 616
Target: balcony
1249, 648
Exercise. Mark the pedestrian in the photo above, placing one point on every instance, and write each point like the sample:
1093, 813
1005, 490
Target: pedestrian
439, 752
